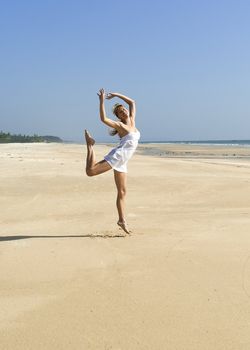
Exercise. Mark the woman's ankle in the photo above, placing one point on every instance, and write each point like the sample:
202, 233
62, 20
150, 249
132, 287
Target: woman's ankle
123, 221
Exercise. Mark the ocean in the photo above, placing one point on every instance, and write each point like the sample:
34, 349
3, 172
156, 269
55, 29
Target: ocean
245, 143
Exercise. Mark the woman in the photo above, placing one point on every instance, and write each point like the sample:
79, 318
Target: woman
119, 156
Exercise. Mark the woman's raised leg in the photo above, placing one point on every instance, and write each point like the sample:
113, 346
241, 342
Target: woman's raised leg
121, 184
93, 168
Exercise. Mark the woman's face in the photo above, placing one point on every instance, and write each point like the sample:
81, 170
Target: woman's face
122, 113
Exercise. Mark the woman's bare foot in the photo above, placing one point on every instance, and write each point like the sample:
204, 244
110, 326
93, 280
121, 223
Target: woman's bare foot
89, 139
124, 226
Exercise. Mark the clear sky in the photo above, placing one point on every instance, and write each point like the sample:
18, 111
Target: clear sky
185, 62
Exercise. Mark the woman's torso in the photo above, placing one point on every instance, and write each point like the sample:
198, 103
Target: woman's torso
125, 130
130, 140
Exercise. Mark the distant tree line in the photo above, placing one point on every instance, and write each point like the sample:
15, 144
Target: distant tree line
9, 138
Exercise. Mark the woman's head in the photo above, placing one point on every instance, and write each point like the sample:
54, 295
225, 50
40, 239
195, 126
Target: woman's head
120, 111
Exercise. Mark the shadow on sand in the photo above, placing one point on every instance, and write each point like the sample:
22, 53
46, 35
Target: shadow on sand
99, 235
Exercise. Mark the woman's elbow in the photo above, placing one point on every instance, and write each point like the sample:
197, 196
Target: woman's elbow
103, 120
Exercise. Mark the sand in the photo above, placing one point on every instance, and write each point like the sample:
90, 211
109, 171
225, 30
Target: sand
69, 280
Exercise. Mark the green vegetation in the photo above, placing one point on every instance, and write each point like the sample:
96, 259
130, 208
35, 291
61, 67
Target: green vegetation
8, 138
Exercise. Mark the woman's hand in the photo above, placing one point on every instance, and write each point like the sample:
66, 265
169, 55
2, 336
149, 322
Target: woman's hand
101, 94
110, 95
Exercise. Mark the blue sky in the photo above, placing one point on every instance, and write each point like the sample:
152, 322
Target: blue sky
186, 63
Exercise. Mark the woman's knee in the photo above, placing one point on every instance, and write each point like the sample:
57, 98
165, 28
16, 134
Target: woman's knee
122, 192
90, 172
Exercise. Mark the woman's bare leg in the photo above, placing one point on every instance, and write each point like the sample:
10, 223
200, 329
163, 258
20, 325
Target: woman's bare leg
121, 184
93, 168
90, 161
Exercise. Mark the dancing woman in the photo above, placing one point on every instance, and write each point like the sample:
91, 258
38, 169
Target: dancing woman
118, 157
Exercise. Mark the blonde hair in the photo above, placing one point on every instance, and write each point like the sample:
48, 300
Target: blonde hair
115, 107
113, 132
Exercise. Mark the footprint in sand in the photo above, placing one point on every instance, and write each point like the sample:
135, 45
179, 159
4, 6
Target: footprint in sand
107, 234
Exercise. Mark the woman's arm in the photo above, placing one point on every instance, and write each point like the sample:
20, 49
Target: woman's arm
123, 97
128, 100
103, 116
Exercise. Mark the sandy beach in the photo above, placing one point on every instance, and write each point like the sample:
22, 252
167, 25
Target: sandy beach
70, 279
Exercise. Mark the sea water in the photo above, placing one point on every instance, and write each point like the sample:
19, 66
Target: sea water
244, 143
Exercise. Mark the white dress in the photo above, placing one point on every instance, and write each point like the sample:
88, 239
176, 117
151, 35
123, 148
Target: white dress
119, 156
